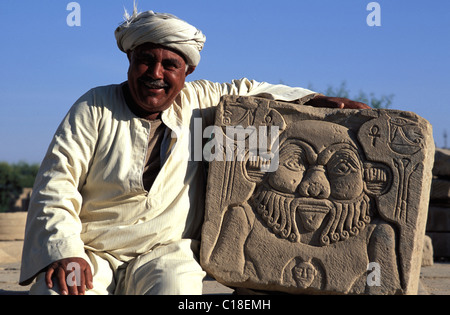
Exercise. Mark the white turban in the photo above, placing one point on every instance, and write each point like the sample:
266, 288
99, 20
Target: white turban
163, 29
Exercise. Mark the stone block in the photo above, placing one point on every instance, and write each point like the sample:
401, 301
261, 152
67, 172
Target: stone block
442, 163
440, 190
441, 244
10, 252
428, 255
438, 219
12, 226
316, 201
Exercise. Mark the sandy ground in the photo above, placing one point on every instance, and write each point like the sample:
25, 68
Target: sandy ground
435, 280
11, 251
9, 277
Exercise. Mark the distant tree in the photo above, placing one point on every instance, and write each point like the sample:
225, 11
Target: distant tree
13, 178
384, 101
445, 139
6, 186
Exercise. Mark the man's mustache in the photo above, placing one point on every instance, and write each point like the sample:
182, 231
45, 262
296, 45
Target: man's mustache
153, 84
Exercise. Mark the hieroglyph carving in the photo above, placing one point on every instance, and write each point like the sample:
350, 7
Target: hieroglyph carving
335, 191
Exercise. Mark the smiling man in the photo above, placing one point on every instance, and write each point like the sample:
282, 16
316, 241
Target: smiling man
155, 78
117, 206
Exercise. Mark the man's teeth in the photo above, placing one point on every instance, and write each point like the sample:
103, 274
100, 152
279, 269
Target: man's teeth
154, 85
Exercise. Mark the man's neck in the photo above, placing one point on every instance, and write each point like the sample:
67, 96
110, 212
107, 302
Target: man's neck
135, 108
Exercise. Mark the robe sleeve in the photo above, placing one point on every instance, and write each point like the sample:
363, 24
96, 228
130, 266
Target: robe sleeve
209, 93
53, 225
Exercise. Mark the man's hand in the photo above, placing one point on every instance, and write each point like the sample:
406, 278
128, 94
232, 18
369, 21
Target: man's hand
336, 102
79, 279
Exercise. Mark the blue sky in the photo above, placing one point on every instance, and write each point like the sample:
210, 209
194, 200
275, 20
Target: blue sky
47, 65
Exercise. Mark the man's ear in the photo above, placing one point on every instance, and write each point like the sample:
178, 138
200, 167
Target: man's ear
377, 179
129, 54
190, 70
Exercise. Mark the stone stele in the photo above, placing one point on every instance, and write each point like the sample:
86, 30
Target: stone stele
308, 200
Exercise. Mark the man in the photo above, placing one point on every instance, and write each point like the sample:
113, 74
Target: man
118, 205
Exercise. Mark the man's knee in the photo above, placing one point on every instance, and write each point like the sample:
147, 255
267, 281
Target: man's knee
40, 287
172, 270
172, 283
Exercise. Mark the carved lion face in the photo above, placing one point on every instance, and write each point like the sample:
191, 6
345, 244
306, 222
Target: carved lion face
322, 184
336, 173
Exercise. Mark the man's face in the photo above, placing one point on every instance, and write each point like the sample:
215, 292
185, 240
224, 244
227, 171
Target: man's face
156, 76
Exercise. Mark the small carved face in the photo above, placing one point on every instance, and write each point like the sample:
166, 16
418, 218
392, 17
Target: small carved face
304, 274
336, 173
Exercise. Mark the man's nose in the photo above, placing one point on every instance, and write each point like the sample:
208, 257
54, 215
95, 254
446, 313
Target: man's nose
155, 71
315, 184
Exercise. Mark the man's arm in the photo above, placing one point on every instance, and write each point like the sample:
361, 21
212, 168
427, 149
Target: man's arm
209, 94
335, 102
53, 225
205, 95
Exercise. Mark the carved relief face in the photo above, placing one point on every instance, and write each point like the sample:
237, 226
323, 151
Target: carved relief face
320, 186
335, 173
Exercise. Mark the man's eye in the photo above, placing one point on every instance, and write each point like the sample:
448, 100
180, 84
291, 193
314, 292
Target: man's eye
171, 65
144, 61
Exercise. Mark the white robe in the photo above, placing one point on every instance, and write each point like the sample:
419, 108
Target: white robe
89, 194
